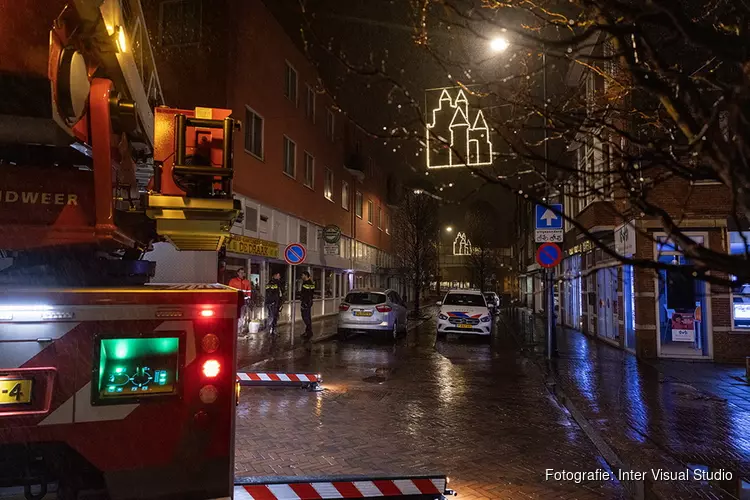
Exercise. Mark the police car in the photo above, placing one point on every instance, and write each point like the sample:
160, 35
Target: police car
464, 312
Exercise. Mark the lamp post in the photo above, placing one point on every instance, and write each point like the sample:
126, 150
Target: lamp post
448, 229
498, 45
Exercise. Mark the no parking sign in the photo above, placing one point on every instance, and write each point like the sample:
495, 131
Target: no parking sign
295, 254
548, 255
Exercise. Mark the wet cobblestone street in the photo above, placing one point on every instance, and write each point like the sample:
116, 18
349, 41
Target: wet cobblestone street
478, 412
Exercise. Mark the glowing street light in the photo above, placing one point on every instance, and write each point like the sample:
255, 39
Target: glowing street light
449, 229
499, 44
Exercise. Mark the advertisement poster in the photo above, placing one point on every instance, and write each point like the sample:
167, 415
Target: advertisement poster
683, 327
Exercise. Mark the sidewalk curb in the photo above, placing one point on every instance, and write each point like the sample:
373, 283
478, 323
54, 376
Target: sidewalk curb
635, 489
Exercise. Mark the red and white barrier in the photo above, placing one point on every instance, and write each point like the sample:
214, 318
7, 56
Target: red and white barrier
270, 379
434, 487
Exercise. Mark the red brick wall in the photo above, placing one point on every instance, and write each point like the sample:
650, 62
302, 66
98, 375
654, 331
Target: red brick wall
242, 63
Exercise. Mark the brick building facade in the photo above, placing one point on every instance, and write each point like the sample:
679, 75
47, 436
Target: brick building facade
299, 165
655, 314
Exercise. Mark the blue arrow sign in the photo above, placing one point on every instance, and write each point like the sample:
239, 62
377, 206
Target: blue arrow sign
295, 253
549, 219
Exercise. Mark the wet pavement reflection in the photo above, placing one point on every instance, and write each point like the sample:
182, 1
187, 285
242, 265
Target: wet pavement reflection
671, 415
477, 411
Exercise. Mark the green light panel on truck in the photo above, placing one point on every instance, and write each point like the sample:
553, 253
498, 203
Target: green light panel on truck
137, 367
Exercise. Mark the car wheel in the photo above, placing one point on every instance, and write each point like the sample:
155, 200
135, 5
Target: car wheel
341, 335
441, 335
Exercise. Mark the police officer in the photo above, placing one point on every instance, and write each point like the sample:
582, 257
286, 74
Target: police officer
274, 293
306, 301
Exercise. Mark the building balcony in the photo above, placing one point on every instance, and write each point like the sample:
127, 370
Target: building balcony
355, 165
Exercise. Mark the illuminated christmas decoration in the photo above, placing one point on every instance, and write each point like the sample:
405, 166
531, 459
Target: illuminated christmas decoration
454, 137
461, 245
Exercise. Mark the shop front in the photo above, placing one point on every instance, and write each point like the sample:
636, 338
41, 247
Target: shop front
681, 304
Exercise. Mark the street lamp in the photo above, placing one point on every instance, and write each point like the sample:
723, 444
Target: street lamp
499, 44
449, 229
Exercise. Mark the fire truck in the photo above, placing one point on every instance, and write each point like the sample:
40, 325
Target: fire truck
109, 387
112, 387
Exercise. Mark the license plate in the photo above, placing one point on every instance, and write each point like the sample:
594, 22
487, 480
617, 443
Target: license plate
15, 391
465, 326
363, 313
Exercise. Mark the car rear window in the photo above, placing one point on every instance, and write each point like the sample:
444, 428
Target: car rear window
365, 298
464, 299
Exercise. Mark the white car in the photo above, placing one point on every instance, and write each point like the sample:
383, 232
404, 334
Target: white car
381, 312
464, 312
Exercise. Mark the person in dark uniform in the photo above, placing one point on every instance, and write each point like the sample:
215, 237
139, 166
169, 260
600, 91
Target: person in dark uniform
306, 302
274, 294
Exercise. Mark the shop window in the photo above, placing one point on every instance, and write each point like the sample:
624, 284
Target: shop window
317, 275
263, 226
303, 234
741, 290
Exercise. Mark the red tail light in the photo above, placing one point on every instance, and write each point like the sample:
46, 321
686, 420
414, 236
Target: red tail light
207, 313
384, 309
211, 368
344, 307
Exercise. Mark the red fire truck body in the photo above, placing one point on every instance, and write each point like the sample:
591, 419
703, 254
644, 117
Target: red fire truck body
109, 388
125, 393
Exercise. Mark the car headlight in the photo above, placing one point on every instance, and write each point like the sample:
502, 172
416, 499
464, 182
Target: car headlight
442, 316
485, 319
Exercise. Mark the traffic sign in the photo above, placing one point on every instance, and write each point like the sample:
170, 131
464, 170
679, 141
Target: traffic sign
549, 255
549, 219
295, 254
548, 236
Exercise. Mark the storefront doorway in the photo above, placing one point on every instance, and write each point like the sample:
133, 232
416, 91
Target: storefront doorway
681, 308
606, 287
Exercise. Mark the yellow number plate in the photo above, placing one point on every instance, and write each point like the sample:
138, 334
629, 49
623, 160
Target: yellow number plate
464, 326
363, 313
17, 391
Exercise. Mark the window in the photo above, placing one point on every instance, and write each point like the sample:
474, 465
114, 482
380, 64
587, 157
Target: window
380, 218
345, 195
309, 170
741, 291
310, 104
180, 23
251, 218
290, 157
358, 204
330, 125
253, 133
290, 83
328, 189
387, 224
303, 234
369, 211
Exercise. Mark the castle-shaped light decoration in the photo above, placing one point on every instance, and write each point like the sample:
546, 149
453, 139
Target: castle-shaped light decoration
461, 245
453, 138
